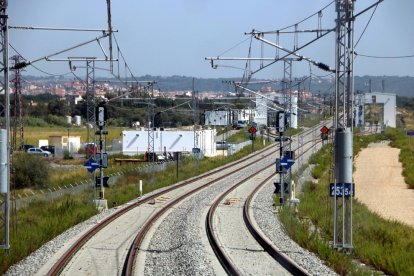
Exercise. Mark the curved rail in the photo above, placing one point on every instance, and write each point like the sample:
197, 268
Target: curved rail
225, 261
279, 256
217, 248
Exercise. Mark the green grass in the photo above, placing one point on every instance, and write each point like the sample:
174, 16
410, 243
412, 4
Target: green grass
386, 245
399, 139
310, 120
40, 222
32, 135
239, 137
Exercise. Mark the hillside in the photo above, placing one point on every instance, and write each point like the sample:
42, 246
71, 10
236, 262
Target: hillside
402, 86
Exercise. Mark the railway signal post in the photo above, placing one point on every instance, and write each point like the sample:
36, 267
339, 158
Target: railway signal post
280, 169
101, 118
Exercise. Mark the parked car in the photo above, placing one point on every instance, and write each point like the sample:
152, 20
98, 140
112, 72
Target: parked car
91, 149
28, 146
221, 145
241, 124
50, 149
38, 151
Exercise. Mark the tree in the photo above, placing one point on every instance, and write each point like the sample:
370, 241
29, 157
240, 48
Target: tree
58, 107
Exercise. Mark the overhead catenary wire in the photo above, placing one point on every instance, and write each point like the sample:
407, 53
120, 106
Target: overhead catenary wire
37, 68
233, 47
301, 21
384, 57
366, 26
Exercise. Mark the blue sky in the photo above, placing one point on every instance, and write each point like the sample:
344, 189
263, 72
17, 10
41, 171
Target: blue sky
173, 37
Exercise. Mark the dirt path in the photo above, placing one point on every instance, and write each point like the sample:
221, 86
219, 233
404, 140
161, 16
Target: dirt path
379, 183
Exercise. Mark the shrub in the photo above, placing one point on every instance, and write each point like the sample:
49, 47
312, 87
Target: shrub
56, 120
67, 155
35, 122
29, 171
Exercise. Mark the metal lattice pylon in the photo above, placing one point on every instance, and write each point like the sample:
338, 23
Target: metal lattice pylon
344, 62
90, 100
18, 106
151, 132
194, 95
343, 122
4, 86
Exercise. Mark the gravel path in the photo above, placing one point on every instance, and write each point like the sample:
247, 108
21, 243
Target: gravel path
379, 183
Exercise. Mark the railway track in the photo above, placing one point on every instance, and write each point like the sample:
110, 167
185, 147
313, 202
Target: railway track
129, 265
228, 252
64, 260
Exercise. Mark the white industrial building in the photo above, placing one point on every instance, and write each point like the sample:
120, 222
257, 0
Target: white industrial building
136, 141
285, 100
387, 103
260, 114
218, 117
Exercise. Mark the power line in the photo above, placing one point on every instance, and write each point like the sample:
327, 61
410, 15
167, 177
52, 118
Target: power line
384, 57
123, 58
238, 44
38, 69
306, 18
366, 26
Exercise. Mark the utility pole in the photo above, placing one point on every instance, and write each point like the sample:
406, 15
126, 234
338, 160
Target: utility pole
151, 126
111, 63
18, 104
287, 90
342, 188
196, 149
5, 130
90, 99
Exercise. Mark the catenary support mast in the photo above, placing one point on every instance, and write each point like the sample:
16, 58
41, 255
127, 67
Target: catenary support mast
5, 130
343, 123
90, 99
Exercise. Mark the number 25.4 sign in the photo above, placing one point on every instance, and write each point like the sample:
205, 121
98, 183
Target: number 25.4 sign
340, 190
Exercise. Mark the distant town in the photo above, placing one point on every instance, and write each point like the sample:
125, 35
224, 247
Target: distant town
180, 86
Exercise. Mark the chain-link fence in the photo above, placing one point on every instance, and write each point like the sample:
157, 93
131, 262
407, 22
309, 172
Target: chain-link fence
23, 199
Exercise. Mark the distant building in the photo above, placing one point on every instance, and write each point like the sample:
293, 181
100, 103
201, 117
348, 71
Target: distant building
375, 109
65, 143
136, 141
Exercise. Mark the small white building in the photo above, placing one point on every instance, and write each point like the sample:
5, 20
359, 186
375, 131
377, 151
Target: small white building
136, 141
65, 142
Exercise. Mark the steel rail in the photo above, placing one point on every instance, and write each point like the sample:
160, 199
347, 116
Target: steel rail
225, 261
278, 255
